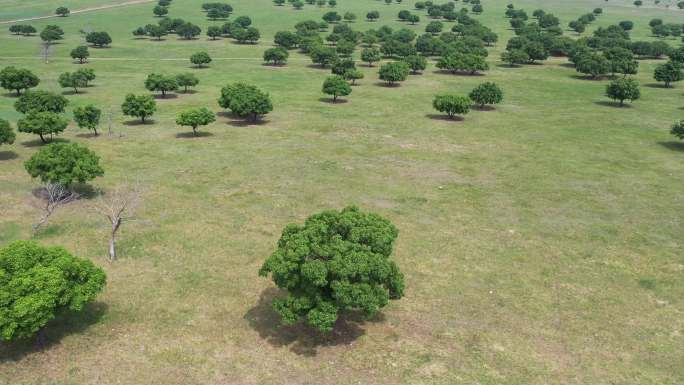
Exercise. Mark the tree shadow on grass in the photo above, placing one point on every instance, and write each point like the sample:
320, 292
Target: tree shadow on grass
8, 155
37, 142
138, 122
607, 103
301, 338
247, 122
331, 101
72, 92
657, 85
589, 77
445, 117
165, 97
87, 135
66, 324
484, 108
672, 145
388, 85
566, 65
191, 135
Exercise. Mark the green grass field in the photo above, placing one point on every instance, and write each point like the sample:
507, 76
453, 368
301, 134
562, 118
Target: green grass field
541, 241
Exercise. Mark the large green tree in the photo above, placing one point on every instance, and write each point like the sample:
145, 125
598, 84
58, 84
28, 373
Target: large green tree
245, 100
336, 261
17, 79
39, 283
41, 101
394, 72
64, 163
161, 83
669, 73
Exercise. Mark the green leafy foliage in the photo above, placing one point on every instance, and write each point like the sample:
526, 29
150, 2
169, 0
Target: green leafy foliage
17, 79
80, 53
141, 106
64, 163
195, 117
40, 101
336, 86
452, 105
39, 283
161, 83
394, 72
486, 93
623, 89
677, 130
88, 117
245, 100
7, 136
200, 59
42, 123
338, 260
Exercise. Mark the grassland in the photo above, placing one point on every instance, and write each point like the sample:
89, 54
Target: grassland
542, 241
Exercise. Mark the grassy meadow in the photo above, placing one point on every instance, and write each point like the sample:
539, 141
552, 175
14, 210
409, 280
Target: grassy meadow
541, 241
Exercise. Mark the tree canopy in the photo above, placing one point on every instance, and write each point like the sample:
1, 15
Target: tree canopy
452, 105
195, 117
336, 261
7, 136
336, 86
64, 163
39, 283
245, 100
17, 79
141, 106
41, 101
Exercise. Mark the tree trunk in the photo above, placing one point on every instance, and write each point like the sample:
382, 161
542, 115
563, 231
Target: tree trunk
112, 239
95, 130
42, 138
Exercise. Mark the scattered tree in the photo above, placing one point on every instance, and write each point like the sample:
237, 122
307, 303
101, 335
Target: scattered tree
161, 83
678, 129
73, 80
623, 89
186, 80
51, 33
98, 39
394, 72
80, 53
7, 136
55, 196
336, 86
486, 93
17, 79
88, 117
64, 163
452, 105
318, 264
370, 56
62, 11
141, 106
245, 100
417, 63
160, 11
668, 73
277, 55
42, 123
200, 59
214, 31
40, 101
353, 75
39, 283
195, 117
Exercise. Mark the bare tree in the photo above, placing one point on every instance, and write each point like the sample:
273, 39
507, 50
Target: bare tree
55, 196
117, 205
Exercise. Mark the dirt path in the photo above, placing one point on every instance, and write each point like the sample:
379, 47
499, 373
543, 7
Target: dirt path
132, 2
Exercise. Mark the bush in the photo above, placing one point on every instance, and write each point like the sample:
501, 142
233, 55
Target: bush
336, 261
64, 163
39, 283
678, 129
486, 93
7, 136
452, 105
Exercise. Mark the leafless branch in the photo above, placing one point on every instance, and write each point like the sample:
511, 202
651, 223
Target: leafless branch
55, 196
117, 205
